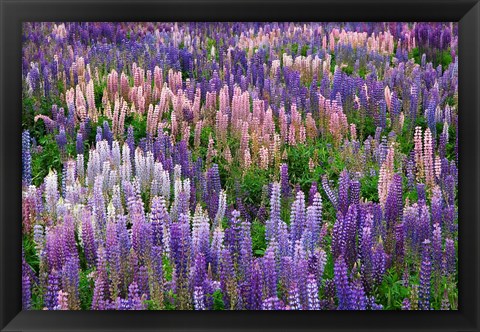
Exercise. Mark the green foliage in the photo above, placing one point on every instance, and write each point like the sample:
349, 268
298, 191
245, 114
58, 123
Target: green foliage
304, 50
252, 185
85, 289
369, 188
415, 55
48, 159
295, 48
258, 238
392, 292
167, 268
30, 253
218, 303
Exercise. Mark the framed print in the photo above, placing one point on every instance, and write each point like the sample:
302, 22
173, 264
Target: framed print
231, 165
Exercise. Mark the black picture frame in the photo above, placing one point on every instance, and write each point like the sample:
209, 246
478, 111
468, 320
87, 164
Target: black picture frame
13, 13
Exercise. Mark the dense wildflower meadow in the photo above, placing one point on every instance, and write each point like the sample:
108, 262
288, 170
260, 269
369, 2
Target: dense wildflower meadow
240, 166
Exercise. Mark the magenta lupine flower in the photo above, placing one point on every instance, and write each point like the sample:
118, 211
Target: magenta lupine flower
425, 278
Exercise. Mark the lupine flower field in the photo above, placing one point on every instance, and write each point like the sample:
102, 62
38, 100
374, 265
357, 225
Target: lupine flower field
240, 166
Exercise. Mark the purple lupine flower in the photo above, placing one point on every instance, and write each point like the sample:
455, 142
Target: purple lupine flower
256, 289
449, 257
70, 281
26, 158
50, 298
342, 284
270, 272
285, 182
312, 192
61, 139
26, 285
378, 262
79, 143
425, 278
358, 297
343, 192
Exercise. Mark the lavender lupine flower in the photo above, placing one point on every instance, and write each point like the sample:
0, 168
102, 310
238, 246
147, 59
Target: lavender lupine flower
135, 298
198, 298
158, 218
437, 250
273, 303
294, 298
406, 304
330, 193
271, 227
88, 238
26, 158
425, 278
312, 293
297, 218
